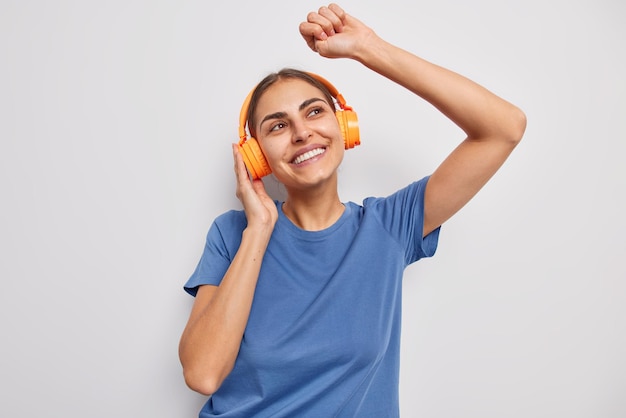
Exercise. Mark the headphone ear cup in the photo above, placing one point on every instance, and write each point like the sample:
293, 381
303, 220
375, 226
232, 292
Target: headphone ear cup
254, 159
349, 125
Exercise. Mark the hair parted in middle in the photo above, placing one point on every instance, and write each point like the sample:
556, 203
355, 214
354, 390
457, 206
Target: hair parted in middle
273, 78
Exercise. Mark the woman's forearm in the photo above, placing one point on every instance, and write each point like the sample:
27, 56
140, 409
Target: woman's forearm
477, 111
210, 342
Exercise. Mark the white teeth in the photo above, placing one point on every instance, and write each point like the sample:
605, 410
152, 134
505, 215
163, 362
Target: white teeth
308, 155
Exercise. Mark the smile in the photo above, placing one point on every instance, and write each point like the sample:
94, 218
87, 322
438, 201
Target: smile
308, 155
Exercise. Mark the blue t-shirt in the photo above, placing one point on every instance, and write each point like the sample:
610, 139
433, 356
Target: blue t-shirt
323, 336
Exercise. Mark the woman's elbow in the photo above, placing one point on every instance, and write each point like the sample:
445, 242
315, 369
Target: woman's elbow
516, 126
205, 378
202, 383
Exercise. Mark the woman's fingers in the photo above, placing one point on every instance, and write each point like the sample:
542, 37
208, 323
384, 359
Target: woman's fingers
320, 25
327, 20
258, 205
335, 15
241, 173
311, 33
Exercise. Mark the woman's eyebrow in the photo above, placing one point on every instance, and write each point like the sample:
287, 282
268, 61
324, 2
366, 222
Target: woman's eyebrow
309, 101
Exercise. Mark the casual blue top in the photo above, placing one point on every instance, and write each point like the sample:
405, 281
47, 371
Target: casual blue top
323, 337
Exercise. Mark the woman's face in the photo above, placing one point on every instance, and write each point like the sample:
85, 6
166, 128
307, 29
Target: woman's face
299, 134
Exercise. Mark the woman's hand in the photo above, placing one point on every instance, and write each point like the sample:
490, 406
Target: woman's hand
259, 207
333, 33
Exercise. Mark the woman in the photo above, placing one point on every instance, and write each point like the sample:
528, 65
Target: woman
297, 308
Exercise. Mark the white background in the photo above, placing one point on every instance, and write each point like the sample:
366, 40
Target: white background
116, 119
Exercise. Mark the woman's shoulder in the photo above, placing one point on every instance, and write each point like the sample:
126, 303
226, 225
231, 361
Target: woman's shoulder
233, 218
231, 221
410, 191
231, 215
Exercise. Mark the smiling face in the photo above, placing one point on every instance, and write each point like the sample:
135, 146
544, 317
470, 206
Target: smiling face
299, 134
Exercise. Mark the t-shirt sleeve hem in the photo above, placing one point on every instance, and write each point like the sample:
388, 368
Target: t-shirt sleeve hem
430, 243
193, 284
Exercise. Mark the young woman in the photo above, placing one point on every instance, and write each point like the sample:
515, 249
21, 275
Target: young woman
297, 303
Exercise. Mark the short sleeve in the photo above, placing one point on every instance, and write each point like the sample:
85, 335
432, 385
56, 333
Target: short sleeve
402, 215
222, 242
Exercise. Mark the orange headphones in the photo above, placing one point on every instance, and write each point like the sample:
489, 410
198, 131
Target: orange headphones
251, 150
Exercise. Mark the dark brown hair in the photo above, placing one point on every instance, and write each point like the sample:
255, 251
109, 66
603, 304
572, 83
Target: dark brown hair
271, 79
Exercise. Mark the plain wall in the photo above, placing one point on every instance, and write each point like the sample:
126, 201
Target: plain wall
116, 120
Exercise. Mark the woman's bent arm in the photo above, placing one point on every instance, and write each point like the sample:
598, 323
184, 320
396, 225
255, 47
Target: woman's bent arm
492, 125
210, 342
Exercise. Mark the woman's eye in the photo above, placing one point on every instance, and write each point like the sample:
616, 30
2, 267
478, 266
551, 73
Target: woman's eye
277, 126
315, 111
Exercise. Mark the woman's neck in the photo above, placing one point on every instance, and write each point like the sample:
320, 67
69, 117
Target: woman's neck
313, 211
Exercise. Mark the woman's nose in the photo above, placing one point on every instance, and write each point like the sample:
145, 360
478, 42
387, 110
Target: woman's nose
301, 132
